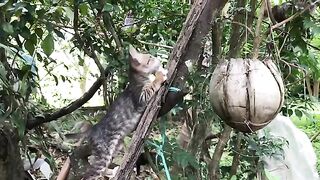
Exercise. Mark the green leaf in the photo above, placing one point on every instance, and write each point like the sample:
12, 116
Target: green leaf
290, 112
7, 27
298, 113
63, 78
84, 8
48, 44
55, 79
30, 47
39, 32
107, 7
19, 123
25, 32
81, 61
59, 33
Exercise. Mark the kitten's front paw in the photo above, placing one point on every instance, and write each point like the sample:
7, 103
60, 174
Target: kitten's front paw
161, 75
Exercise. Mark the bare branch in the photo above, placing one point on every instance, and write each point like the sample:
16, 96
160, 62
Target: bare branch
69, 108
153, 44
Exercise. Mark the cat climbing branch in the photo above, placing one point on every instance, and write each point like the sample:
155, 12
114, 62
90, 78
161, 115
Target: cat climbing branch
200, 16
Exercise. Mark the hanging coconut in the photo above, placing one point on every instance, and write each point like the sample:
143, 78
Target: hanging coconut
247, 94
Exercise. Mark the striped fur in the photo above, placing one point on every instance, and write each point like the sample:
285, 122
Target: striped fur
123, 115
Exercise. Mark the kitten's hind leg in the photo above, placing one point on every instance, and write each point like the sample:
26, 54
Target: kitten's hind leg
101, 158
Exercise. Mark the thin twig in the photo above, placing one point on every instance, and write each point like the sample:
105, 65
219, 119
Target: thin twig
245, 26
153, 44
108, 22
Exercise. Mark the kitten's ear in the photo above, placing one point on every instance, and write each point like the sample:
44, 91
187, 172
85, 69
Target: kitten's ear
133, 52
133, 55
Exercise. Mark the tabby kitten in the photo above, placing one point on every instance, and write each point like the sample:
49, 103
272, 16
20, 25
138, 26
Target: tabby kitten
124, 113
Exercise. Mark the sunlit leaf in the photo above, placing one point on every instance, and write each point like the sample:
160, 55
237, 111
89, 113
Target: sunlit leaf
84, 8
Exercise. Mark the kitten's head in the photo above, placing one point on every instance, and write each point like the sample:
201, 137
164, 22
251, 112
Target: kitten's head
144, 63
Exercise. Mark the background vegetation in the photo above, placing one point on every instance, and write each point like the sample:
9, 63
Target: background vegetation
52, 52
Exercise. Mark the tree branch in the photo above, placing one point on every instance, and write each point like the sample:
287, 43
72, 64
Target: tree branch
236, 38
109, 24
69, 108
257, 38
214, 164
294, 16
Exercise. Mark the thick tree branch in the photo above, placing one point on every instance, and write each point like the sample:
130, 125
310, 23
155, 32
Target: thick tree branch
236, 30
216, 36
238, 37
69, 108
257, 38
214, 164
176, 57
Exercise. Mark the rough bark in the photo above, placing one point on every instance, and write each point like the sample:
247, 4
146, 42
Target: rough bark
196, 19
217, 35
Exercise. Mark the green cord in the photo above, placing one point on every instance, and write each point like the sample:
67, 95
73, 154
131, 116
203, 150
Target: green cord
159, 149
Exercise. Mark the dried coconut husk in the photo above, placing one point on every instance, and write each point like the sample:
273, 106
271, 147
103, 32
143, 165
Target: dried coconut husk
247, 94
